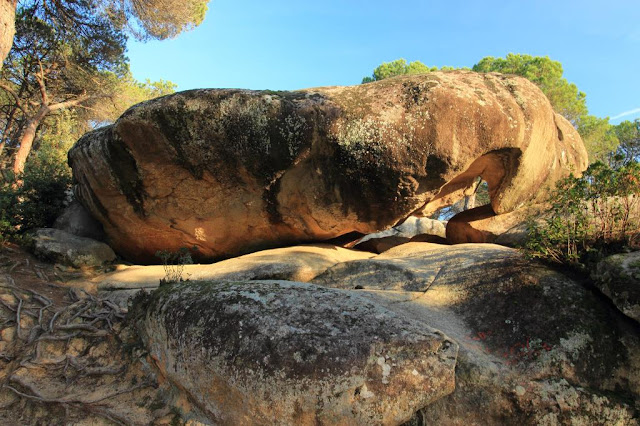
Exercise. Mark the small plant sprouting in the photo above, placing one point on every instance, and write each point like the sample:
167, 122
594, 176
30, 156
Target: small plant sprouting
173, 263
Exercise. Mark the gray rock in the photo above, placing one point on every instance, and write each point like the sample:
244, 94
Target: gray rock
61, 247
535, 346
76, 220
382, 244
514, 237
618, 277
278, 352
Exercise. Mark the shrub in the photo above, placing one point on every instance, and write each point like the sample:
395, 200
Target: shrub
37, 197
173, 263
590, 216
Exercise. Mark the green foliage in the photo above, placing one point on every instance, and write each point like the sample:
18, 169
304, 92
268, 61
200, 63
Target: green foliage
628, 134
66, 73
158, 19
595, 214
127, 92
398, 67
599, 137
173, 263
37, 197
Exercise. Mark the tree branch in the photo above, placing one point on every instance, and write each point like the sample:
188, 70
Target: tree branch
41, 84
70, 103
13, 94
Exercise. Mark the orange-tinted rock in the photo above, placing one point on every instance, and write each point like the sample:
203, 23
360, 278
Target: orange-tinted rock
481, 225
234, 171
7, 27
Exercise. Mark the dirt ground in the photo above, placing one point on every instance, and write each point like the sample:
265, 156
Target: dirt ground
68, 356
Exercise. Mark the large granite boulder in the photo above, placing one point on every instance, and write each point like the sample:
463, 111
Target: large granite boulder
286, 353
534, 346
234, 171
7, 27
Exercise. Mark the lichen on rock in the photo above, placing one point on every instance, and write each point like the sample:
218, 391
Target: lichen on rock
235, 171
277, 352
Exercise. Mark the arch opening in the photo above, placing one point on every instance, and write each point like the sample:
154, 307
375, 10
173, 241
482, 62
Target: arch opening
480, 184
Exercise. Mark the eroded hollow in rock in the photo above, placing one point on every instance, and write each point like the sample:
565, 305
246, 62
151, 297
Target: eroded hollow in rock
479, 196
497, 168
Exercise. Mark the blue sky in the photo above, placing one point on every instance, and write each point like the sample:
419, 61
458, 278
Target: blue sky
287, 45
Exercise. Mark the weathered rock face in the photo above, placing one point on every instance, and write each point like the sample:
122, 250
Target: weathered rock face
413, 229
482, 225
279, 352
535, 346
299, 263
233, 171
618, 277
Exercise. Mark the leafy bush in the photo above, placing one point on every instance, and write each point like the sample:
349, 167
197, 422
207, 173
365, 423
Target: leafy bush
37, 197
590, 216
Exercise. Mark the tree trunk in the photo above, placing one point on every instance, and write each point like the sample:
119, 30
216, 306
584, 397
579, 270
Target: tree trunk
7, 27
27, 138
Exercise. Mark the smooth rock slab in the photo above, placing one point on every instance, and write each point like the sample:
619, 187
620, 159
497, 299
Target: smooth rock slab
278, 352
59, 246
299, 263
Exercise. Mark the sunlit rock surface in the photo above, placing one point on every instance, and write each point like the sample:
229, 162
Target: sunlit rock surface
536, 347
234, 171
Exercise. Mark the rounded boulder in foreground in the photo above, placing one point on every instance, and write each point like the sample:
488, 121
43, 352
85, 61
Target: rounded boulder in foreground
279, 352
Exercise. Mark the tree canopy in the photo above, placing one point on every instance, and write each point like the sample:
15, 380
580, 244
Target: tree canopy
400, 67
67, 69
143, 19
628, 134
599, 137
159, 19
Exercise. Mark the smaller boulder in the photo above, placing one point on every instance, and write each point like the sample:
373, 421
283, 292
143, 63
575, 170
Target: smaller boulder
483, 225
58, 246
618, 278
76, 220
380, 245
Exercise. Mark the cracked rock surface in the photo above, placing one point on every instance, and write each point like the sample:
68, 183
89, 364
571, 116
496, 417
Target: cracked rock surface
618, 277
